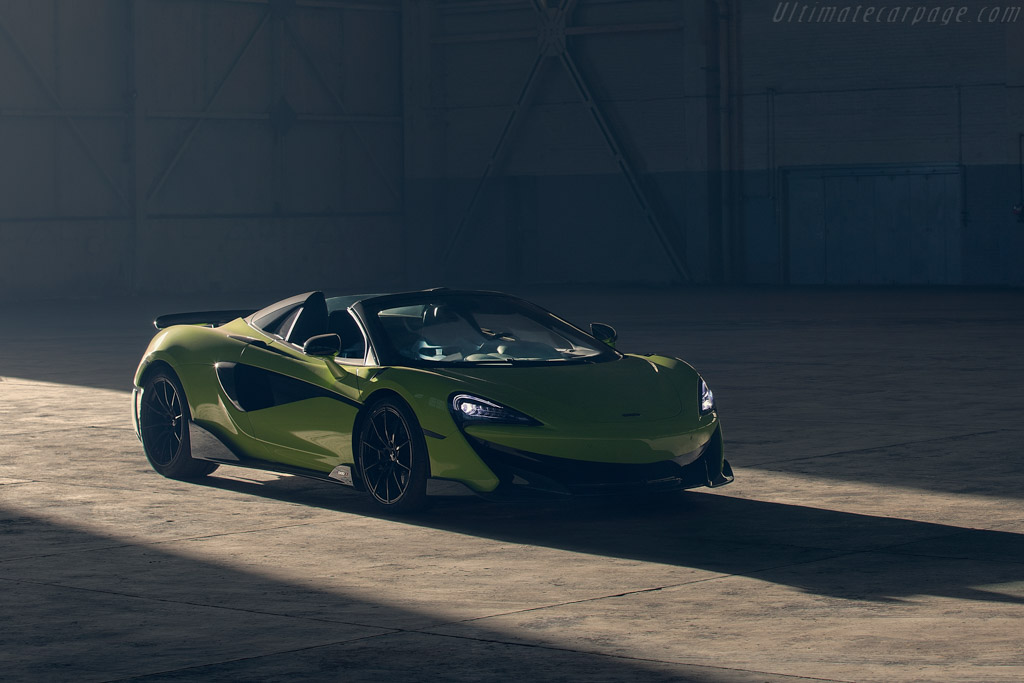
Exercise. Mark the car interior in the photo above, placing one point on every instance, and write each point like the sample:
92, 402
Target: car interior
311, 318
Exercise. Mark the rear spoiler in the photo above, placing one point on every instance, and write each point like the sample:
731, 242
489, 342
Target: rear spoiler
213, 318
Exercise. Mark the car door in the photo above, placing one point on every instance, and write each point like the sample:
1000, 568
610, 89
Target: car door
302, 408
226, 418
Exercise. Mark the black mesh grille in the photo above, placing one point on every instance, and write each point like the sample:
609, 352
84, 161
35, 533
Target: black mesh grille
516, 469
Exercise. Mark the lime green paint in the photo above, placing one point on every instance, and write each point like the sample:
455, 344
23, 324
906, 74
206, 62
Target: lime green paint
639, 409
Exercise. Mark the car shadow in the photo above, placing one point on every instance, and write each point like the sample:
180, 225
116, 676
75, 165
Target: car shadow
811, 549
90, 606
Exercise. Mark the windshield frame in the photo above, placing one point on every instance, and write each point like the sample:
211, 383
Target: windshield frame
387, 355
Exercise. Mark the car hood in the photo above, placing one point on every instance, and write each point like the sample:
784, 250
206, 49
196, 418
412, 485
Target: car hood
630, 389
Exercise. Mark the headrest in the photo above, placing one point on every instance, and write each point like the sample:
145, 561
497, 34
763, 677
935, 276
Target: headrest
437, 314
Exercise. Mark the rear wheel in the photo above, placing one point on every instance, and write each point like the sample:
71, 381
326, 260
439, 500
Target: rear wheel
163, 421
393, 459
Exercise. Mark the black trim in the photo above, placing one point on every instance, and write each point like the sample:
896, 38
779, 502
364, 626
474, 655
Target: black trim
312, 320
250, 388
522, 471
323, 346
264, 346
215, 318
269, 315
226, 376
227, 454
205, 445
724, 477
212, 448
433, 435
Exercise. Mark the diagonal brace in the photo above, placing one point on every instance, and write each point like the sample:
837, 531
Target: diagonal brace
561, 15
512, 123
515, 117
158, 185
611, 140
52, 95
340, 104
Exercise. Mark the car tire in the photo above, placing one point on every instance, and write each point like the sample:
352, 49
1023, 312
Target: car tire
163, 424
392, 456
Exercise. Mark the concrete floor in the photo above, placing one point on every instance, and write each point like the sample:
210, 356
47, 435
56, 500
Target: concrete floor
875, 531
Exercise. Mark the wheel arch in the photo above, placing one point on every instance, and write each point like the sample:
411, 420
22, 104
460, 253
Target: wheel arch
159, 364
154, 366
181, 464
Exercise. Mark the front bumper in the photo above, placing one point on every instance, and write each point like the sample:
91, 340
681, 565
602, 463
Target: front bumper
521, 472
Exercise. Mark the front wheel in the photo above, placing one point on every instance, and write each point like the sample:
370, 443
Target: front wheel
163, 421
393, 460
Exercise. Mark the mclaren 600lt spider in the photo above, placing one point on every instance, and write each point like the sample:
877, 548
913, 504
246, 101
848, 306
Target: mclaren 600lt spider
400, 394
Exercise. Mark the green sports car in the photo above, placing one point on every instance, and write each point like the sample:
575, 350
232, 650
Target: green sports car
399, 395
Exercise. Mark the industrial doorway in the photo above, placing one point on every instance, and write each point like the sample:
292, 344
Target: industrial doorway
874, 226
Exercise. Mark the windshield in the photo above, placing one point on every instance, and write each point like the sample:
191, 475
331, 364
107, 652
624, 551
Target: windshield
470, 329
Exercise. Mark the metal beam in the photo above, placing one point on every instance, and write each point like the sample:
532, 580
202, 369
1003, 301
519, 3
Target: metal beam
380, 6
551, 41
550, 17
278, 68
264, 116
512, 124
651, 27
274, 215
567, 7
64, 219
139, 204
621, 160
495, 36
63, 113
485, 37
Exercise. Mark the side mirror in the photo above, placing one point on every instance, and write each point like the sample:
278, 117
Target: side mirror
605, 333
322, 346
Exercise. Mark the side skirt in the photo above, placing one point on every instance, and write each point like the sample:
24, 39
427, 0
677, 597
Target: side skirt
208, 446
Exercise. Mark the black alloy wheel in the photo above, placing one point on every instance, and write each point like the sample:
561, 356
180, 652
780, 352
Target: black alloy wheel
393, 458
163, 422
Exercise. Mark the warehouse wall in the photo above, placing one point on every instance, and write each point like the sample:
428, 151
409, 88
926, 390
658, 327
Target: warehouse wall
252, 145
558, 203
882, 153
772, 150
196, 146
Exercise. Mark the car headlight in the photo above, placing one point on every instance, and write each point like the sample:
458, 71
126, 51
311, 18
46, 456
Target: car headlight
468, 409
707, 399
